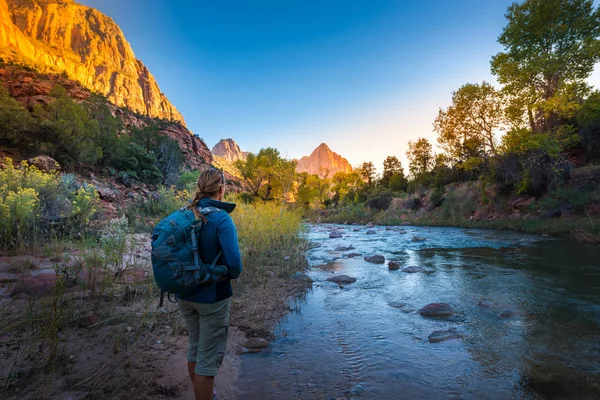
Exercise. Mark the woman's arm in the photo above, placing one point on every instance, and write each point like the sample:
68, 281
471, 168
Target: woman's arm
231, 249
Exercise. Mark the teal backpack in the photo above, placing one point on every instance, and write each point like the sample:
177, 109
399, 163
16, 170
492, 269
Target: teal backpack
176, 262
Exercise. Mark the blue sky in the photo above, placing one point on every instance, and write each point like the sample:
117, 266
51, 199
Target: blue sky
363, 76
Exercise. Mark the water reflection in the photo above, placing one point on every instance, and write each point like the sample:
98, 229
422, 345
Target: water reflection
528, 310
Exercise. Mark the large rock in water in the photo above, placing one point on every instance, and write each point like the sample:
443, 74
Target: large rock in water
63, 36
341, 279
392, 266
436, 310
335, 235
376, 259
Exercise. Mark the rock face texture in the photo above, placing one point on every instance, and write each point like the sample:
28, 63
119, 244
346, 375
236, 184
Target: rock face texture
323, 162
61, 36
229, 150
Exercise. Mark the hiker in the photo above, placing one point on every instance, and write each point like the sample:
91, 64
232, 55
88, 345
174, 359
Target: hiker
206, 311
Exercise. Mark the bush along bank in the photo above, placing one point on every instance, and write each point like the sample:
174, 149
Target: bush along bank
572, 210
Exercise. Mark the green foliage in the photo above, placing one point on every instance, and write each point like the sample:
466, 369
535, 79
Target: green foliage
467, 129
393, 167
15, 121
420, 157
143, 214
35, 204
550, 48
269, 176
398, 183
367, 172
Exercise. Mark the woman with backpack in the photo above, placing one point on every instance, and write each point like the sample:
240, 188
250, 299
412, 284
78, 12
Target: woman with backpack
206, 311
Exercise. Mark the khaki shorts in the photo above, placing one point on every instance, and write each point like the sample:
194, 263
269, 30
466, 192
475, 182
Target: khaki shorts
208, 326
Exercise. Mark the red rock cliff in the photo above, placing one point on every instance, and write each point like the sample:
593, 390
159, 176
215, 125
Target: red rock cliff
323, 162
63, 36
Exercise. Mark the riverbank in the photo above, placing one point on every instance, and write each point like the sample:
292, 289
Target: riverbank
567, 213
81, 319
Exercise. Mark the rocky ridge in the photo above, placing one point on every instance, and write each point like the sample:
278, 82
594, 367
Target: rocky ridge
228, 150
61, 36
323, 162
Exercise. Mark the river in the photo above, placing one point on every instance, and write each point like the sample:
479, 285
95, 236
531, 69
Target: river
527, 321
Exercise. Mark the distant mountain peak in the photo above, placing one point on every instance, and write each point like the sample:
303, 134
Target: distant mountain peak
229, 150
323, 162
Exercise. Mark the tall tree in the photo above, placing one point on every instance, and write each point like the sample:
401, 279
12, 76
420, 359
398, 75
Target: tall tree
550, 48
391, 166
469, 126
367, 172
420, 157
268, 175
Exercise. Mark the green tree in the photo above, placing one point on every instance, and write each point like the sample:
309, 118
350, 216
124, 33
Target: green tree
367, 172
15, 121
468, 128
345, 186
398, 183
391, 166
268, 175
420, 157
550, 48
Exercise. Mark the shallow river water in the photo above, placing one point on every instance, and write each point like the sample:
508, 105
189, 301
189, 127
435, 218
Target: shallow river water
527, 320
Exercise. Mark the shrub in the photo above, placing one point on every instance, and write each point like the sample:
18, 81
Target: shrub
437, 197
35, 203
379, 202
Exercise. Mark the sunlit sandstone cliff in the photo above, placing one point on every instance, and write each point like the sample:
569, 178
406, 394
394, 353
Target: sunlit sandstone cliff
228, 150
63, 36
323, 162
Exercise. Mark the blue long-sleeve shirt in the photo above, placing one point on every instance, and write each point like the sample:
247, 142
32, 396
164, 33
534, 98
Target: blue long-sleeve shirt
218, 234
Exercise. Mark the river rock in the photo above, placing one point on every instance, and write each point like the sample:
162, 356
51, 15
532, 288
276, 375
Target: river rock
436, 310
413, 269
393, 266
342, 279
370, 225
255, 343
344, 248
352, 255
507, 314
371, 232
300, 276
442, 336
335, 235
417, 239
376, 259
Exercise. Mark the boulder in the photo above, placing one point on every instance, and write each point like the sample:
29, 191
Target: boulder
392, 266
371, 232
413, 269
376, 259
44, 162
352, 255
106, 193
35, 286
522, 201
370, 225
436, 310
300, 276
442, 336
344, 248
507, 314
335, 235
417, 239
341, 279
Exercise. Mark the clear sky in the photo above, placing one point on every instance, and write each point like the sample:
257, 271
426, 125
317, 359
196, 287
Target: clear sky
364, 76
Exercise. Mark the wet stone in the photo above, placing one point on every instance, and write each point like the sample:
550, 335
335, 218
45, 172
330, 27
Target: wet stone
301, 276
507, 314
335, 235
392, 266
436, 310
341, 279
371, 232
442, 336
417, 239
255, 343
376, 259
344, 248
352, 255
413, 269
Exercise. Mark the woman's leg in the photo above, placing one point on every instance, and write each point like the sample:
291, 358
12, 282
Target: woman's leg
212, 343
192, 321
